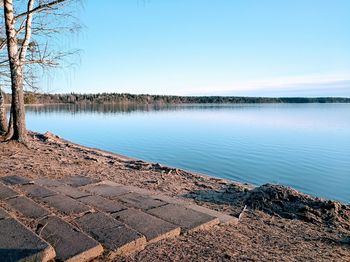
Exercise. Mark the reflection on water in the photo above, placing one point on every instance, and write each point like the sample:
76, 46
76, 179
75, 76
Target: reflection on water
129, 108
306, 146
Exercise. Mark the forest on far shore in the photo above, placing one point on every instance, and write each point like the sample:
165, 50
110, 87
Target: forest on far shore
114, 98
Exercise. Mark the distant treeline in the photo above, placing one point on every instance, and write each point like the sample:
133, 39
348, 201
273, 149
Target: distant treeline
114, 98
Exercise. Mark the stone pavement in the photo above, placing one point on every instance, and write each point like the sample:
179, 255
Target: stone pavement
78, 218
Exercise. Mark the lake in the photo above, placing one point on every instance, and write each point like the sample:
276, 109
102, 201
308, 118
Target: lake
305, 146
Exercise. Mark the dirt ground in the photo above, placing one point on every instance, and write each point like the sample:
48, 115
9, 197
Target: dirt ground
277, 223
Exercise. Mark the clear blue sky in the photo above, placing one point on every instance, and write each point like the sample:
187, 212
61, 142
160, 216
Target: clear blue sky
219, 47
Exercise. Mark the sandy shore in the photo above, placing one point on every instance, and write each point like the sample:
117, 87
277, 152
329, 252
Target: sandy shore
278, 224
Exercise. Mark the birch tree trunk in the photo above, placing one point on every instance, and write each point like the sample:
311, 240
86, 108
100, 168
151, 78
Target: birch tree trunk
3, 120
17, 51
16, 69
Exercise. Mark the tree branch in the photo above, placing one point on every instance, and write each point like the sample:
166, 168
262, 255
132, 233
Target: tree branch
2, 44
40, 8
42, 62
4, 62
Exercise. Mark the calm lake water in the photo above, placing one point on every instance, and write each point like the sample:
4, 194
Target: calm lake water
306, 146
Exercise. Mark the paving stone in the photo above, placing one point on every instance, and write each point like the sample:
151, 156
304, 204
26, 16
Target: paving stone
3, 214
6, 192
110, 183
18, 243
66, 204
140, 201
37, 191
71, 191
27, 207
129, 188
98, 220
48, 182
139, 190
69, 243
114, 235
15, 180
153, 228
102, 204
188, 219
78, 181
172, 200
107, 190
223, 218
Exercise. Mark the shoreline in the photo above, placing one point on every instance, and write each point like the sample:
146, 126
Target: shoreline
276, 222
172, 103
128, 158
149, 98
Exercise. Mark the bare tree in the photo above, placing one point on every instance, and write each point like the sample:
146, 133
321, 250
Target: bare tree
31, 32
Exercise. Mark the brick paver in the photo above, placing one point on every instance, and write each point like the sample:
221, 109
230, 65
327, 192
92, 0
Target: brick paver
70, 191
6, 192
129, 188
172, 200
223, 218
78, 181
18, 243
66, 204
27, 207
140, 201
48, 182
188, 219
114, 235
69, 242
153, 228
15, 180
107, 190
37, 191
102, 204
